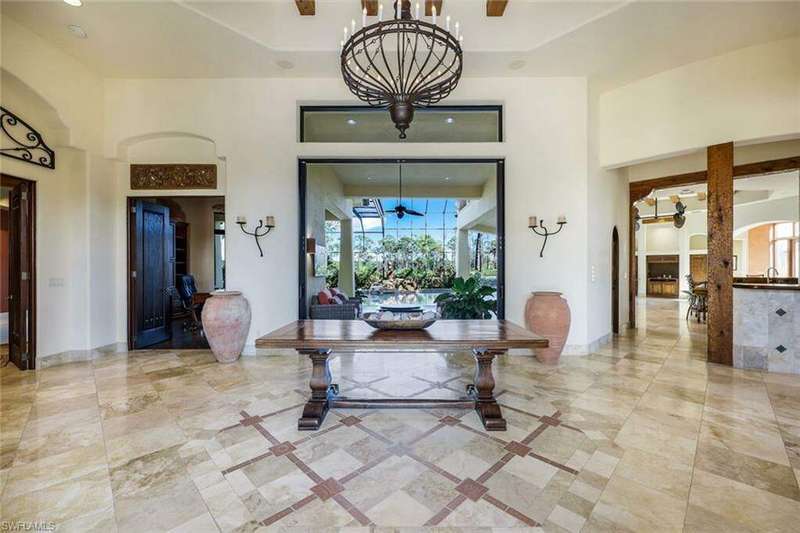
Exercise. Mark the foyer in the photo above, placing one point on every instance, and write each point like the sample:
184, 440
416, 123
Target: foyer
509, 179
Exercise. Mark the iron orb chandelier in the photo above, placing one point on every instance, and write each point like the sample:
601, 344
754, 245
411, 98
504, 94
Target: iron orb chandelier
402, 63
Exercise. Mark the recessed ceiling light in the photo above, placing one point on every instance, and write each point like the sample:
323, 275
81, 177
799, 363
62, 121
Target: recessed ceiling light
77, 31
449, 120
285, 64
516, 64
74, 3
352, 121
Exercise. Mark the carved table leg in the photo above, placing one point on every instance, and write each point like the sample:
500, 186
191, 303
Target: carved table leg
321, 391
482, 391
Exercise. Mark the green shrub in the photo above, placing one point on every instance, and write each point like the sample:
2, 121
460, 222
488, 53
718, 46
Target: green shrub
469, 299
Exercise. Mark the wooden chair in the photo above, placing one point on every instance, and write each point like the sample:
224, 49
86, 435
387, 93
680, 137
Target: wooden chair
697, 299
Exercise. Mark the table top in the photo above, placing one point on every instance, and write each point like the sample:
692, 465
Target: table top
443, 335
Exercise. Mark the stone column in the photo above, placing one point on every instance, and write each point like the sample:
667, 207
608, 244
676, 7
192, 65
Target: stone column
462, 253
346, 276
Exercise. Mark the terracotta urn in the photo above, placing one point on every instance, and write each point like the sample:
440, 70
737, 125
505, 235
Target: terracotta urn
547, 314
226, 322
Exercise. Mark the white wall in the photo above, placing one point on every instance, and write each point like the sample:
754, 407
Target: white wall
324, 193
67, 85
253, 122
661, 238
75, 242
748, 94
755, 214
607, 194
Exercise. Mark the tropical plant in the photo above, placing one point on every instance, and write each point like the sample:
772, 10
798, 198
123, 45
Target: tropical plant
332, 276
468, 299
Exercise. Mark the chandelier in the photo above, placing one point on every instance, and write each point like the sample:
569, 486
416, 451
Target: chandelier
402, 63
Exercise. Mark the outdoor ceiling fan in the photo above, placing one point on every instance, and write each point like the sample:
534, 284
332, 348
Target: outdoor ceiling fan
400, 210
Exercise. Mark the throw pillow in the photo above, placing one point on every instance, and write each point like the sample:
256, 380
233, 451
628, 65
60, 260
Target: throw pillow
325, 297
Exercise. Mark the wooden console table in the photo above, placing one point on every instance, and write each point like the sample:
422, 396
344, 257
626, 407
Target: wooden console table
319, 338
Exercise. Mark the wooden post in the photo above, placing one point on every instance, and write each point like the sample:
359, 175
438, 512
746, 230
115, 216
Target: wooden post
720, 254
633, 266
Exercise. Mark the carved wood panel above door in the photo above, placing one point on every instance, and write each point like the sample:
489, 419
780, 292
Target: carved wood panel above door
173, 176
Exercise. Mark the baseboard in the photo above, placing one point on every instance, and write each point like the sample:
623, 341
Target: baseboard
250, 350
73, 356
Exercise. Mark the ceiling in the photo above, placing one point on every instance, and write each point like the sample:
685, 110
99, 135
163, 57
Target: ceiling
611, 42
746, 190
416, 174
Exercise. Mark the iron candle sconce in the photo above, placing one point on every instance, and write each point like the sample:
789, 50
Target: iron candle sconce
537, 225
267, 223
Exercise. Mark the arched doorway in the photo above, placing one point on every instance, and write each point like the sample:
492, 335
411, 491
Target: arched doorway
615, 281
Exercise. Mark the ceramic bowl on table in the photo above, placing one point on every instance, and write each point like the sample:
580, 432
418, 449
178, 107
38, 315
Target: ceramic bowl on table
398, 321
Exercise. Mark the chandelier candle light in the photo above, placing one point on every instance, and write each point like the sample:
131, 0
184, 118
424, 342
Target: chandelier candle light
403, 63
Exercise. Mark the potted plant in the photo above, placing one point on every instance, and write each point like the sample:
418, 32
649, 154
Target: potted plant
469, 299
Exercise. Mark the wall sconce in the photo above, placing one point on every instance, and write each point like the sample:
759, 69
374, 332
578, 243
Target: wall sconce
311, 245
539, 228
268, 223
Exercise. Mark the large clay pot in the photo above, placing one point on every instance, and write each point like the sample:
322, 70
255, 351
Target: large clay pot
547, 314
226, 321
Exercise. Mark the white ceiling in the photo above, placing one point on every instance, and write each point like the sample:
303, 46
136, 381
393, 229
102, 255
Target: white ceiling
419, 174
746, 190
612, 42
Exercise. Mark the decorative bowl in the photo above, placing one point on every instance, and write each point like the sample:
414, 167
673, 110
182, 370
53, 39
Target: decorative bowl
399, 321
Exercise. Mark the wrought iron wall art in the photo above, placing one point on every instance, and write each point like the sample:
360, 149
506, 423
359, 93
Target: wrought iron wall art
23, 142
538, 227
268, 223
173, 176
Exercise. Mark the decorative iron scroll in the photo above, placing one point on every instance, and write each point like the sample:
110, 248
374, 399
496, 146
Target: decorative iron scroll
26, 143
173, 176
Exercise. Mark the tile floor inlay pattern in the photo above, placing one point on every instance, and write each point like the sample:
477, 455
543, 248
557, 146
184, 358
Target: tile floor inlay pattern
642, 435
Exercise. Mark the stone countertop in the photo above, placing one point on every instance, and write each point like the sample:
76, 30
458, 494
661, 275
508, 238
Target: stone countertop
768, 286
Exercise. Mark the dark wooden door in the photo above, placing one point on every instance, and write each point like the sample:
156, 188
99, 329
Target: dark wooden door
21, 287
151, 275
615, 281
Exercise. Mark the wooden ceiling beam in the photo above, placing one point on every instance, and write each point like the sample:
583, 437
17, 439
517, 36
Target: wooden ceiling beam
306, 7
429, 7
496, 8
372, 7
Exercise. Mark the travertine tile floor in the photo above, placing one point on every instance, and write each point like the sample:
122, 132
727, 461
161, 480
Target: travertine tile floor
641, 436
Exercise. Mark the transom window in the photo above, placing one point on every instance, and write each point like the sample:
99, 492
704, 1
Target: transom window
364, 124
784, 248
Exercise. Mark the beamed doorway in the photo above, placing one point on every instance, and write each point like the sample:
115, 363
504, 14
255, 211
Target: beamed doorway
18, 261
176, 258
